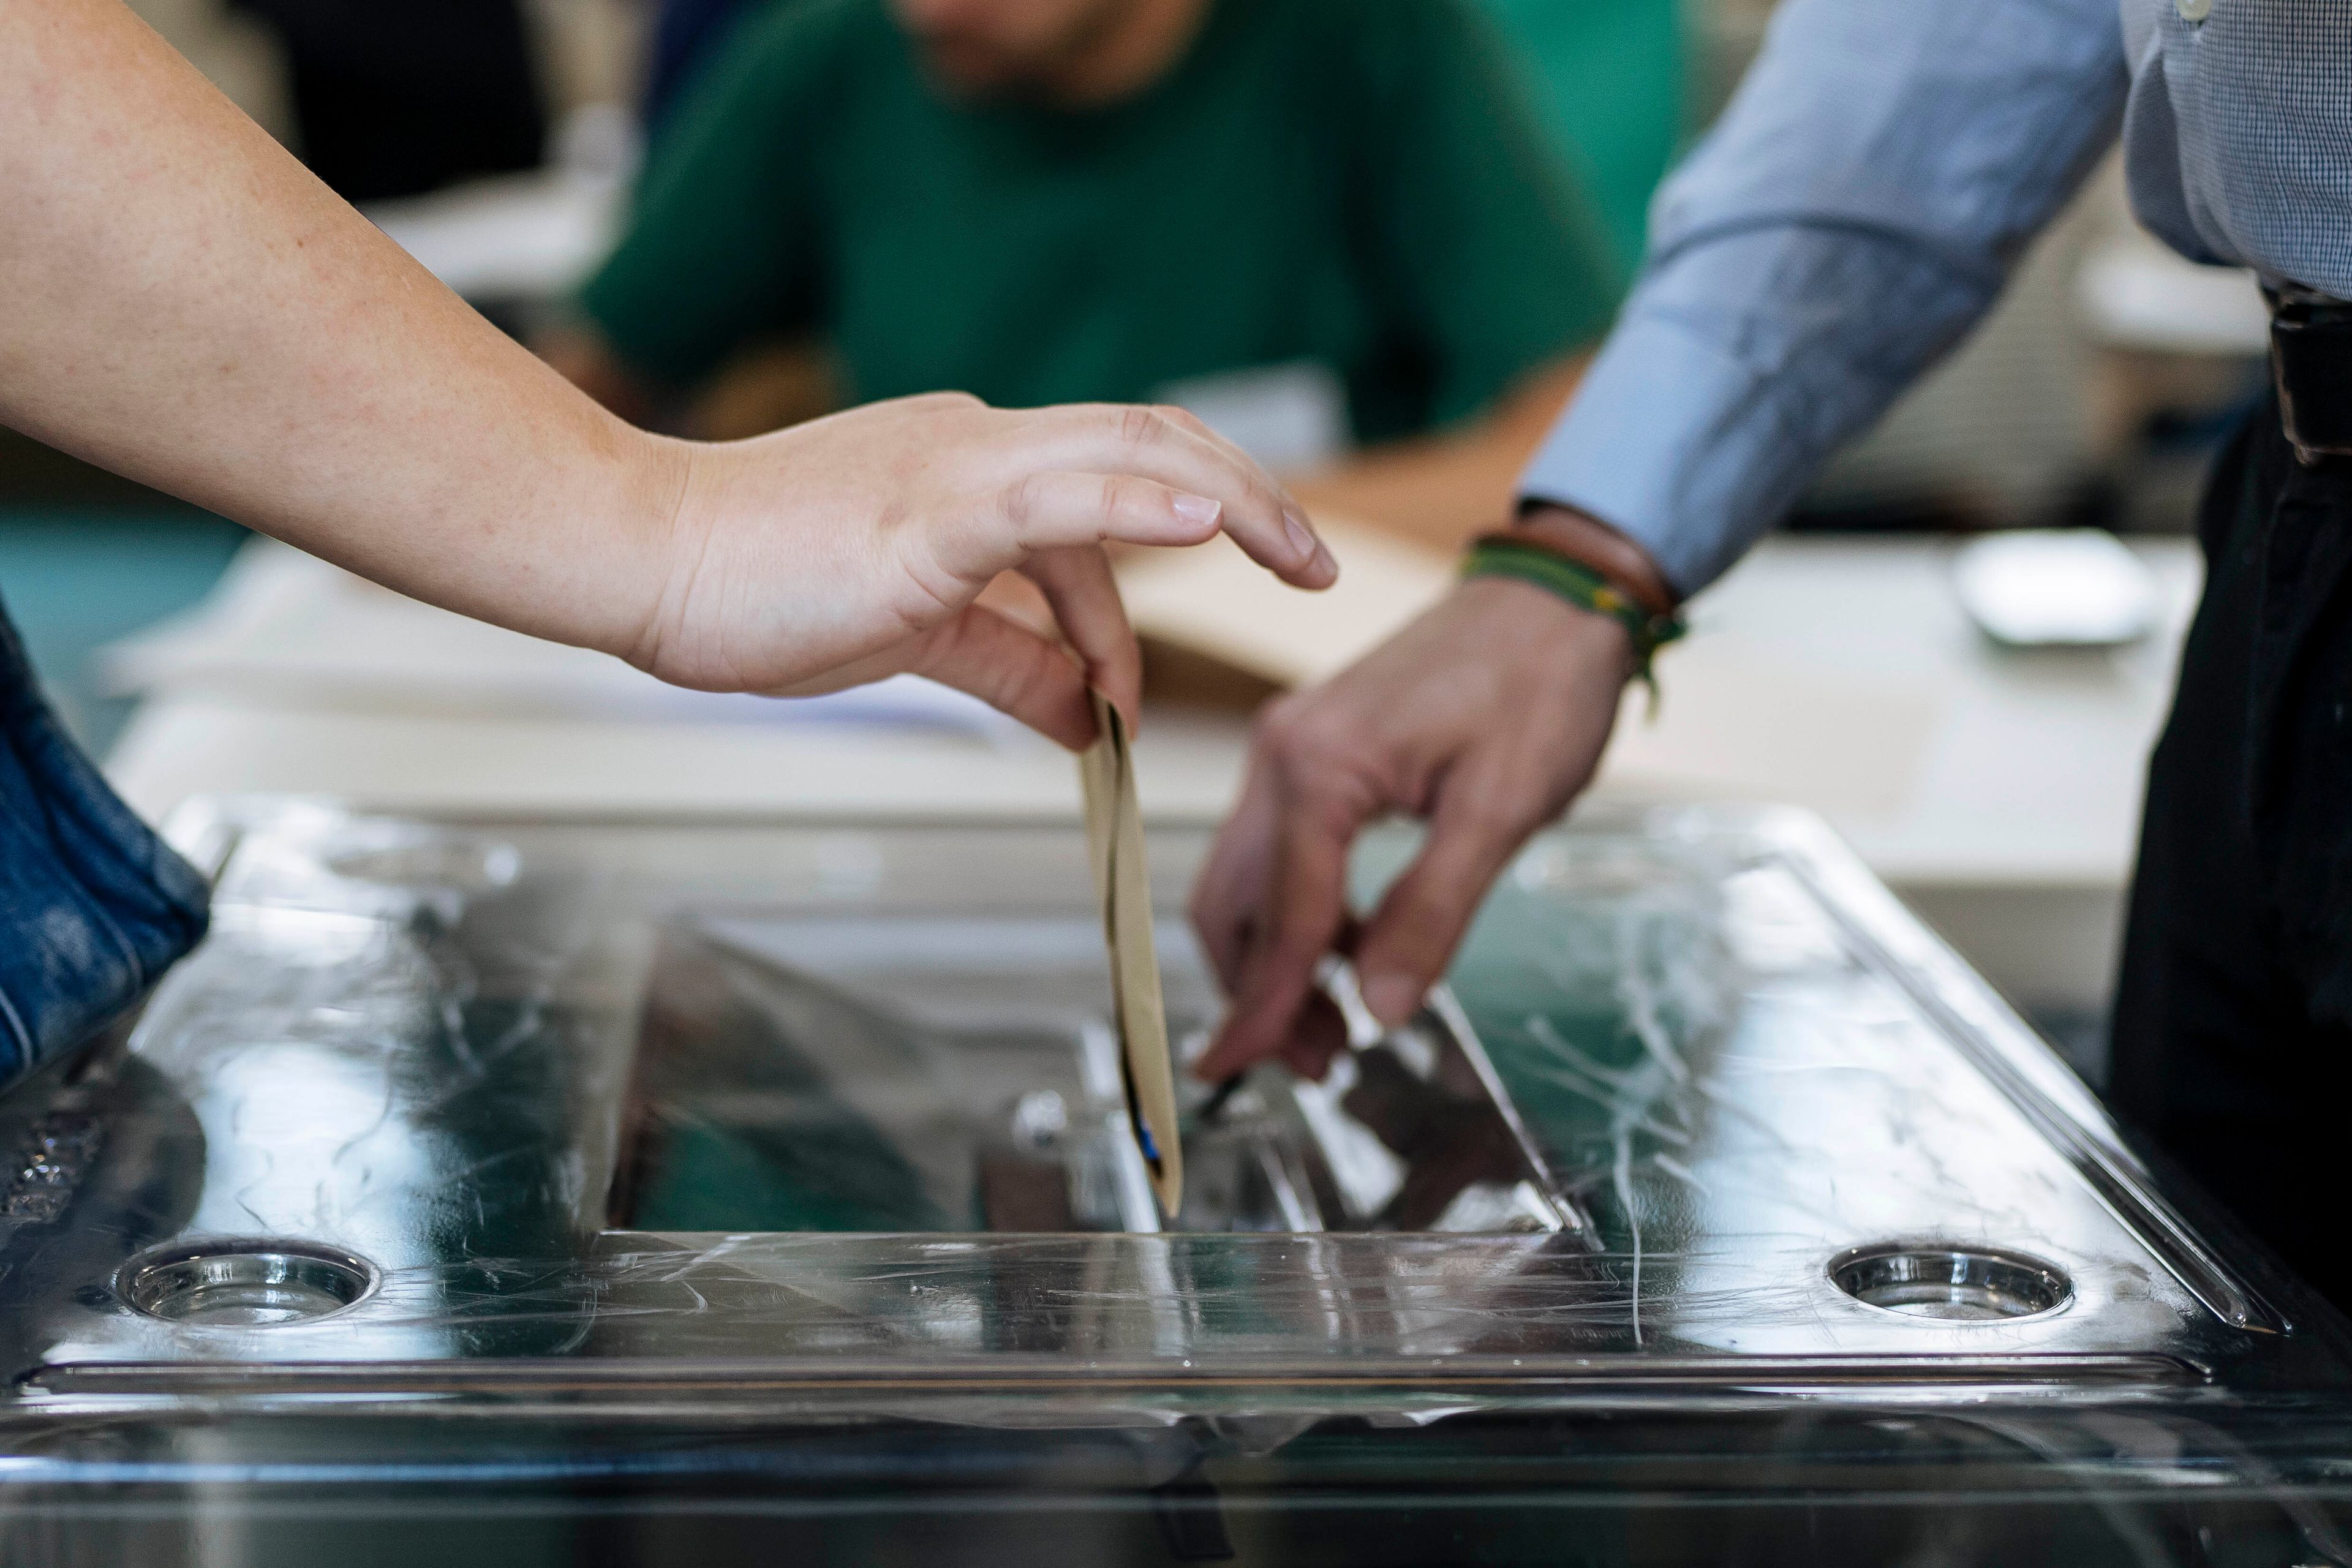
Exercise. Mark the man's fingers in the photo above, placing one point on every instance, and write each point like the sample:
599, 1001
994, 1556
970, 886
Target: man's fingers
1319, 1035
1307, 910
1476, 829
1011, 667
1176, 449
1230, 890
1078, 583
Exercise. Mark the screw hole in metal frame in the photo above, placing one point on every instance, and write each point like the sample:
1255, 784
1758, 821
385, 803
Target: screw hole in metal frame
245, 1282
1934, 1283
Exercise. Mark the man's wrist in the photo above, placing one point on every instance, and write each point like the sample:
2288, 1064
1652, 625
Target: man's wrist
1591, 566
1579, 536
1531, 622
1532, 602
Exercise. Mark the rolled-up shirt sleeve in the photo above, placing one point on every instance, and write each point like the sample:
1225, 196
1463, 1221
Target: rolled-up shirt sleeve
1855, 210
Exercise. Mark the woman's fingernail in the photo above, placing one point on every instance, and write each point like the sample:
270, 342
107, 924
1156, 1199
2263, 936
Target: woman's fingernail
1325, 562
1199, 509
1302, 538
1391, 998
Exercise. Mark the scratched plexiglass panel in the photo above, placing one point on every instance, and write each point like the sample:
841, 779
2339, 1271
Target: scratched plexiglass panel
1737, 1094
429, 1044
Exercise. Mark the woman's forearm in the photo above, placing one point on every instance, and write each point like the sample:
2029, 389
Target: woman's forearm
186, 304
181, 302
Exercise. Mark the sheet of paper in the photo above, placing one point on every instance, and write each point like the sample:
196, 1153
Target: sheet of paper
1123, 889
1211, 599
1745, 715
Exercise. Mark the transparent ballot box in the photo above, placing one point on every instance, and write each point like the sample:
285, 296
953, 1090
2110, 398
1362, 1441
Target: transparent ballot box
553, 1191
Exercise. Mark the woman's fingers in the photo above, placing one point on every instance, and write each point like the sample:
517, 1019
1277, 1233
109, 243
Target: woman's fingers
1078, 583
1009, 667
1176, 450
1062, 509
1013, 595
1007, 648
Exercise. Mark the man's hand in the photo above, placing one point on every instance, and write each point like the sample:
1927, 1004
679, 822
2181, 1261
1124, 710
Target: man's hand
1485, 717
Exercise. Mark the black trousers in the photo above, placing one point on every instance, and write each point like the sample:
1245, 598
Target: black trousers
2233, 1014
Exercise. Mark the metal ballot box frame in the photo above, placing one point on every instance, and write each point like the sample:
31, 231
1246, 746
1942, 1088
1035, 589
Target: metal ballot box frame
569, 1190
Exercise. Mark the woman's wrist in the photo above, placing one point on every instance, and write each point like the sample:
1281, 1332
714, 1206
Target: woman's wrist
646, 520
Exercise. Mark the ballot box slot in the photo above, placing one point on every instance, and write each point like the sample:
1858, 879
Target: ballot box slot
921, 1075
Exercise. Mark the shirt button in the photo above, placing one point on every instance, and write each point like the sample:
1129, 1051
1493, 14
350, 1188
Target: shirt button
2194, 10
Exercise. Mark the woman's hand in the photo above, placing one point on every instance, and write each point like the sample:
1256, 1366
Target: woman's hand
853, 547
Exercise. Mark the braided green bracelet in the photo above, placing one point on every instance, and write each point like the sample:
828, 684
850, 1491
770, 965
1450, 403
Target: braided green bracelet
1508, 555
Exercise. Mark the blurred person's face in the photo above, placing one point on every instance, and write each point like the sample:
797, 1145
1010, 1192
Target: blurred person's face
1016, 48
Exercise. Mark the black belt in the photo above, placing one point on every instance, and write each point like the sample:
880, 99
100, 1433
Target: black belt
2311, 360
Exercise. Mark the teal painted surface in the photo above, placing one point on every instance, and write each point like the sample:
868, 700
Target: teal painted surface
1610, 77
74, 579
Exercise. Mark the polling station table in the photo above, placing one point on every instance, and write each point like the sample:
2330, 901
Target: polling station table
1996, 790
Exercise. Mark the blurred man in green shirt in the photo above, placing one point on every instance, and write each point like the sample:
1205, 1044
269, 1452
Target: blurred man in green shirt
1327, 225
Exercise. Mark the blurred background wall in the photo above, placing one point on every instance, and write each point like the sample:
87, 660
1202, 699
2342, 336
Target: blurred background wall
385, 102
495, 137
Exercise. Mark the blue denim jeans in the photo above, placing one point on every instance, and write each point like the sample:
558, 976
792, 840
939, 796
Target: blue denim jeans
93, 907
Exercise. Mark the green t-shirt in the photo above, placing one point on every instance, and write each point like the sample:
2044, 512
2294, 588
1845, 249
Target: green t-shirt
1348, 183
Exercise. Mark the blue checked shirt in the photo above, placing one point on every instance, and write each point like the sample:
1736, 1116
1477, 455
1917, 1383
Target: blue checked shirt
1860, 201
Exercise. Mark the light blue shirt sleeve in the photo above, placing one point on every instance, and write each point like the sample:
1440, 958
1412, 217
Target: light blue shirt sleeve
1856, 209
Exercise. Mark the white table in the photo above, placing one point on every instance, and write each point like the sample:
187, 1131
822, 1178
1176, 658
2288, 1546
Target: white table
1999, 792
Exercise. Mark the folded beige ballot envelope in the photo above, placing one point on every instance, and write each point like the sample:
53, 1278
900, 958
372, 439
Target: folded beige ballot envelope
1123, 889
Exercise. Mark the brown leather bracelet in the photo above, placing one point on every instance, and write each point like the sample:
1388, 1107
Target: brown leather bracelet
1536, 532
1517, 555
